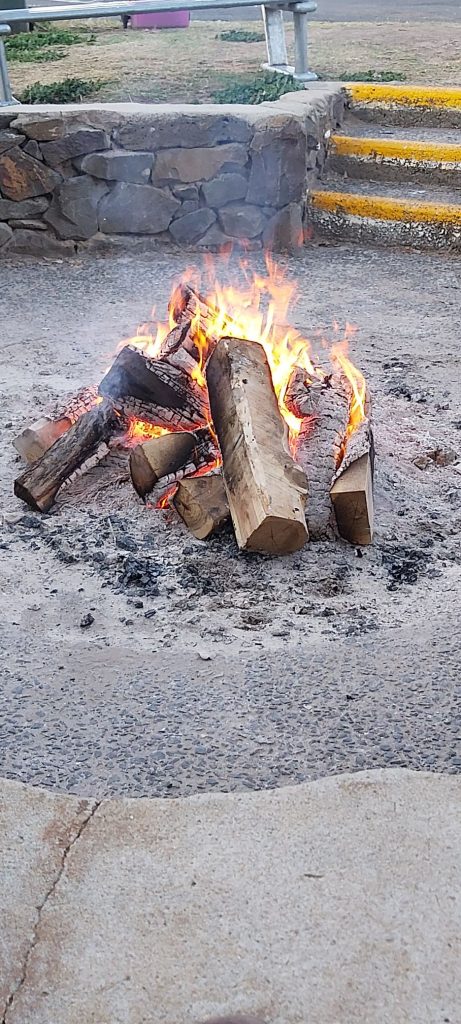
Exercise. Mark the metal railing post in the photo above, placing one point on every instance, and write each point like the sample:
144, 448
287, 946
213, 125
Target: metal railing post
300, 17
275, 37
6, 96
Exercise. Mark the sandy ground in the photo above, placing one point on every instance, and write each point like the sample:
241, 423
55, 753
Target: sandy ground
249, 672
176, 65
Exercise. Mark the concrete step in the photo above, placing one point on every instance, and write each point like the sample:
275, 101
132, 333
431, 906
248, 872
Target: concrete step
406, 105
392, 157
386, 214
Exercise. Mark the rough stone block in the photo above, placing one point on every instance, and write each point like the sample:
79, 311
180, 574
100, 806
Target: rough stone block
41, 128
187, 131
8, 139
241, 220
284, 232
40, 243
33, 149
278, 162
189, 165
136, 210
189, 229
28, 208
6, 235
188, 207
118, 166
30, 225
215, 240
22, 177
73, 209
78, 142
224, 189
186, 192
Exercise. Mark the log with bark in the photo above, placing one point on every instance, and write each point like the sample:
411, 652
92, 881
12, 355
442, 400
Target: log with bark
266, 490
35, 440
154, 391
40, 483
323, 408
202, 504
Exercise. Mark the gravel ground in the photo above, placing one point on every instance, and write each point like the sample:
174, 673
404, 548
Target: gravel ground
247, 672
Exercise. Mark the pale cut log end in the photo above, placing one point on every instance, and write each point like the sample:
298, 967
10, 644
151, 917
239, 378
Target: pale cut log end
201, 503
35, 440
276, 536
352, 497
158, 458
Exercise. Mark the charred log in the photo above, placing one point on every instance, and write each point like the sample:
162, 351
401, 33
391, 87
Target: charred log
162, 456
40, 483
323, 407
154, 391
265, 488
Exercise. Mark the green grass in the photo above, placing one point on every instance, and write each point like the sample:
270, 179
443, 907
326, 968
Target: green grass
372, 76
241, 35
70, 90
29, 47
260, 89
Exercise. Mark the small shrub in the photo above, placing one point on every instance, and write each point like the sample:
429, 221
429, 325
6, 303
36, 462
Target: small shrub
50, 37
260, 89
70, 90
372, 76
241, 35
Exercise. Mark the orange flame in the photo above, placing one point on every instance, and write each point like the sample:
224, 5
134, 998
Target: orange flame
356, 379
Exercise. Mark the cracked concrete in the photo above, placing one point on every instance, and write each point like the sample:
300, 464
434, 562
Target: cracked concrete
337, 900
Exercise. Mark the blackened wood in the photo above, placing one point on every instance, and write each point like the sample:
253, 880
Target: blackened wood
155, 391
265, 488
318, 447
40, 483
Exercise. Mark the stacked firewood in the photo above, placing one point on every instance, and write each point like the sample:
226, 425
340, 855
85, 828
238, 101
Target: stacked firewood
225, 445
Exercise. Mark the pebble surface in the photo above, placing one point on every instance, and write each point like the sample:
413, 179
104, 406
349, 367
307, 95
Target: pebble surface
139, 661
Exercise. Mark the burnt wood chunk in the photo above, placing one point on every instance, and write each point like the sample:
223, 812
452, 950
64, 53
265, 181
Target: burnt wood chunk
40, 483
266, 490
202, 504
154, 391
35, 440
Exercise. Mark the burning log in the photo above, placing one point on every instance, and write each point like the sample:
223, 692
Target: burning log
159, 457
352, 490
40, 483
35, 440
323, 407
171, 457
265, 488
155, 391
202, 504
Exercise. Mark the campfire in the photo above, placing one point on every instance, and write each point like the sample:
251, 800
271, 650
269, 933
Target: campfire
224, 412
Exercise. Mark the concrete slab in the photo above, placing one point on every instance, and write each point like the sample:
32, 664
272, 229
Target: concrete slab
337, 901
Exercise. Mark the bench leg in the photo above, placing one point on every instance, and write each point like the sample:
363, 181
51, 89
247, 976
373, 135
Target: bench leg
275, 38
302, 73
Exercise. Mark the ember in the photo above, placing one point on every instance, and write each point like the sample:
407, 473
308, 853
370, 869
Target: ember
224, 390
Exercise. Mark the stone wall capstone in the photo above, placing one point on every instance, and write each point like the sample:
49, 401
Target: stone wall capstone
132, 175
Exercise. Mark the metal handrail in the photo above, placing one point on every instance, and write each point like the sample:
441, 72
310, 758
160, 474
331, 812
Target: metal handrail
272, 13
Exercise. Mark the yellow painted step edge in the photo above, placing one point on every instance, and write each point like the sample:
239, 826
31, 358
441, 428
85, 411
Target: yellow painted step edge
396, 149
405, 96
382, 208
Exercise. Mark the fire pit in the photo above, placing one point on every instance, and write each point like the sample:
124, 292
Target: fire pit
224, 411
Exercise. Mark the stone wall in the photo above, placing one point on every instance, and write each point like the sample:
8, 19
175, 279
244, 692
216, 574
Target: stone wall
79, 177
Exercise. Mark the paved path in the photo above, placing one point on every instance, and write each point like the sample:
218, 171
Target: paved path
334, 901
